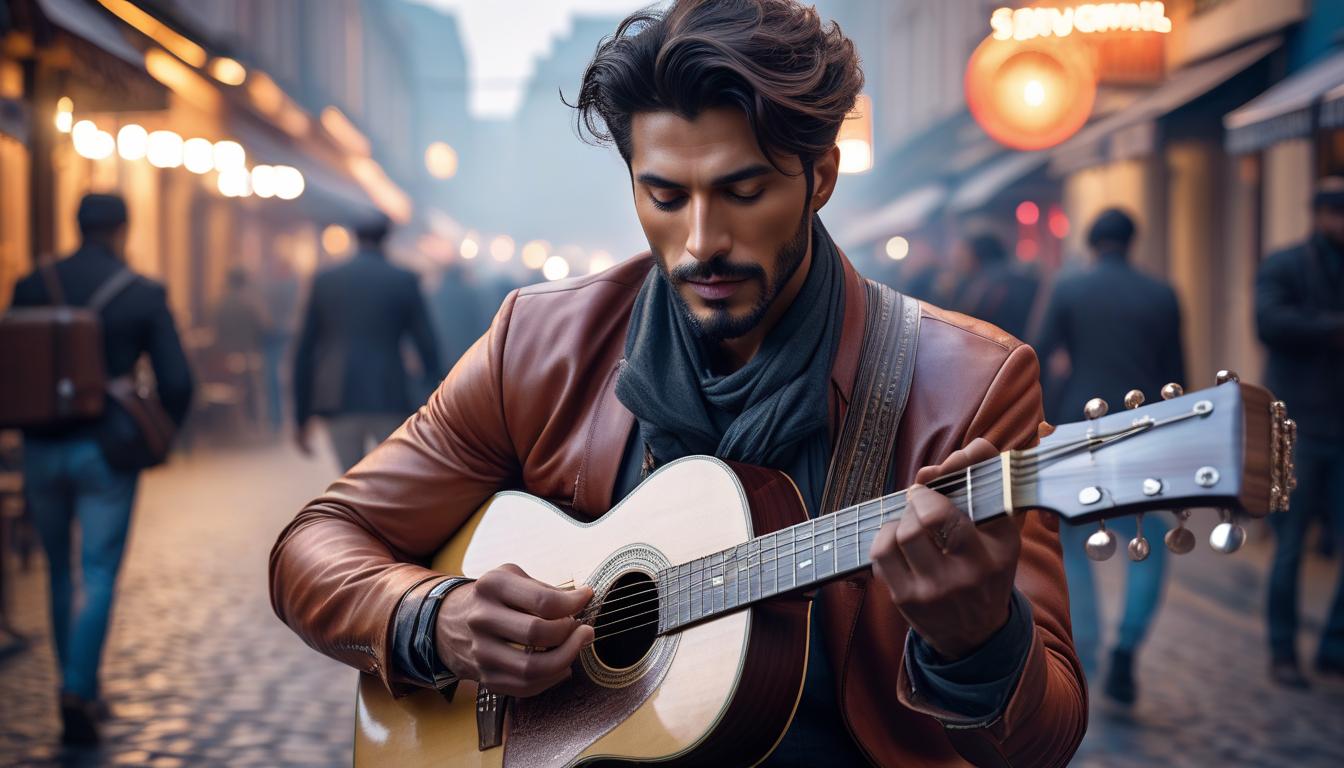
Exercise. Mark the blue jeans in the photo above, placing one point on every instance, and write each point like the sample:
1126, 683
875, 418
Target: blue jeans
65, 481
1319, 495
1143, 585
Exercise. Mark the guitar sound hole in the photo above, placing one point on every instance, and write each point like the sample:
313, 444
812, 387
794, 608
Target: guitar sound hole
627, 623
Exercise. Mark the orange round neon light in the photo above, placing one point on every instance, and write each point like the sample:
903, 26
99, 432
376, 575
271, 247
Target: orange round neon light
1030, 95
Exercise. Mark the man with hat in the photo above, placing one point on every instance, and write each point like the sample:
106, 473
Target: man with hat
348, 366
69, 477
1299, 312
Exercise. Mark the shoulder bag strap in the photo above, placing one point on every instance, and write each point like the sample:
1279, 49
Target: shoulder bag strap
110, 289
862, 459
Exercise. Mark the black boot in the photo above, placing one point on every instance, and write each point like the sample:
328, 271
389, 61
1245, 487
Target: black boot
1120, 678
79, 721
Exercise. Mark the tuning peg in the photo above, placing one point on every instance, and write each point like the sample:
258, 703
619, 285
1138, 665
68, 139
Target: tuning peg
1172, 390
1225, 376
1138, 546
1101, 544
1095, 408
1180, 540
1227, 537
1133, 399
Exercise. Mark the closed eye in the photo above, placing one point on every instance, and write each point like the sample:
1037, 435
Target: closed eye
667, 205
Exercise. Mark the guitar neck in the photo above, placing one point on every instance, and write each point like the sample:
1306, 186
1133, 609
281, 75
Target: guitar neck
817, 551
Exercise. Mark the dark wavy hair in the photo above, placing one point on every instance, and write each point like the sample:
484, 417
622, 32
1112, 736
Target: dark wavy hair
793, 77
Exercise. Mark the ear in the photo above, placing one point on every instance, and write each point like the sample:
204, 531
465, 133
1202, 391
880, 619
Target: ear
825, 172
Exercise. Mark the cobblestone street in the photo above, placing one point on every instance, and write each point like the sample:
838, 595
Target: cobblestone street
198, 672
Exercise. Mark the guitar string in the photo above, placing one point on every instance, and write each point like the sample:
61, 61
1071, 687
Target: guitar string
987, 469
768, 569
777, 544
867, 514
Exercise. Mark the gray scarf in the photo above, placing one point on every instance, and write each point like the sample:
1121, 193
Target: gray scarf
756, 415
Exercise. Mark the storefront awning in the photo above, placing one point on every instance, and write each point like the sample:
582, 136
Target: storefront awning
1285, 110
328, 193
83, 20
1093, 145
907, 212
985, 184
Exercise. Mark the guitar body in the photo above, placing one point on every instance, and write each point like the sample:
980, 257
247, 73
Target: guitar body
721, 692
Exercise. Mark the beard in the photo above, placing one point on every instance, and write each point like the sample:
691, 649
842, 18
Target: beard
721, 325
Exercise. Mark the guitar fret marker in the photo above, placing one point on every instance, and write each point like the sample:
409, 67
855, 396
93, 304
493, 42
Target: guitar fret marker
805, 563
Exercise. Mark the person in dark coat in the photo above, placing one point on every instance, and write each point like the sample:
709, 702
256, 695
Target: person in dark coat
990, 288
348, 366
1121, 330
458, 314
1299, 312
69, 477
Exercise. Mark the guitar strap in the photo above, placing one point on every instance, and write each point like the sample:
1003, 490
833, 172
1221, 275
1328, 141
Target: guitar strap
861, 464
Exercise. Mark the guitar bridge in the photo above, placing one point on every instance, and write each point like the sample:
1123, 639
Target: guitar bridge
490, 710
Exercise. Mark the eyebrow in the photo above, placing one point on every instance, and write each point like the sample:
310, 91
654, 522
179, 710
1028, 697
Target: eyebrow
742, 174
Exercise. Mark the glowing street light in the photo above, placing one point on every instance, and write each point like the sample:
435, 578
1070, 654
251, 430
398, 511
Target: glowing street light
470, 247
441, 160
228, 71
898, 248
598, 261
501, 248
263, 181
95, 144
535, 254
198, 155
288, 182
132, 142
65, 118
555, 268
234, 182
855, 139
164, 149
336, 239
229, 154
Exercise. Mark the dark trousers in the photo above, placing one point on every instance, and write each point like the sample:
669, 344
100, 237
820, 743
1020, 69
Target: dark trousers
1319, 495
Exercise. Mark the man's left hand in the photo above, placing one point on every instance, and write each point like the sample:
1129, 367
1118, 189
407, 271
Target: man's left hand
951, 579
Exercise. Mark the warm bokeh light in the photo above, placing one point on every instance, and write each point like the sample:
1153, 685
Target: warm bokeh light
198, 155
1058, 221
535, 253
555, 268
898, 248
1028, 213
82, 130
599, 261
234, 182
229, 154
855, 139
289, 183
1027, 249
132, 142
1033, 95
336, 240
228, 71
501, 248
263, 181
182, 47
95, 144
470, 246
441, 160
346, 133
65, 118
164, 149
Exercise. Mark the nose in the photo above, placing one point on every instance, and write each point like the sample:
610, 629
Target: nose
708, 236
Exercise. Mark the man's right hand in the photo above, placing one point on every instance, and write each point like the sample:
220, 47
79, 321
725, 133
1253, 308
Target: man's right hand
511, 632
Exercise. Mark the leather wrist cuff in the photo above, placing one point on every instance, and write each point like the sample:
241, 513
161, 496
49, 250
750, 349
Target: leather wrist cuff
425, 649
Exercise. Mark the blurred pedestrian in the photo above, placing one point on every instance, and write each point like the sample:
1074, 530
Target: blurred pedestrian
348, 367
458, 314
990, 288
1299, 312
1121, 330
71, 472
240, 322
280, 299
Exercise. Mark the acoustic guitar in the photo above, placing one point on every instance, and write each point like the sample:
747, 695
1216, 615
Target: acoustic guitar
697, 660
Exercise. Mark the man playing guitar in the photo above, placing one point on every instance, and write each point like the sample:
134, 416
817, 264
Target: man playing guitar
737, 335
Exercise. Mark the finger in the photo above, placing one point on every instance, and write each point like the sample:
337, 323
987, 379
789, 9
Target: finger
521, 628
547, 666
924, 514
888, 560
949, 527
979, 450
514, 588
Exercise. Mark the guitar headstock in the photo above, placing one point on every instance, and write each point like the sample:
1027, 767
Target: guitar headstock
1229, 447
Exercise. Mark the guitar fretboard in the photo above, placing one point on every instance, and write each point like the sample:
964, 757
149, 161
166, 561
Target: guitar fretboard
807, 554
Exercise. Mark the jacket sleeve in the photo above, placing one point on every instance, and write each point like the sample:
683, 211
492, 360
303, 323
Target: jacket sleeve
1281, 315
340, 570
1046, 715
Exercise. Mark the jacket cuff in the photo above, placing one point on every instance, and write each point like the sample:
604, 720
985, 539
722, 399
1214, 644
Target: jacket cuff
973, 690
397, 676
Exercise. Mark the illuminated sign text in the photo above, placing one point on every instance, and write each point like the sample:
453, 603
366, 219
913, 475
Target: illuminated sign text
1030, 23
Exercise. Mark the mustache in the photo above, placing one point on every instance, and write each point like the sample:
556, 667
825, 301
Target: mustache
719, 267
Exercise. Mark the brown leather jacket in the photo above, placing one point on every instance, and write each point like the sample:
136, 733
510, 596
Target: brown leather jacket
532, 405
